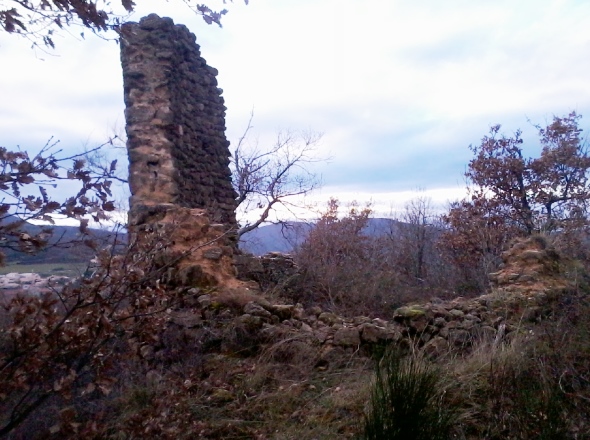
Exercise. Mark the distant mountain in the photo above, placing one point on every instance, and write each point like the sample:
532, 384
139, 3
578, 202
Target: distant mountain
284, 238
275, 238
65, 245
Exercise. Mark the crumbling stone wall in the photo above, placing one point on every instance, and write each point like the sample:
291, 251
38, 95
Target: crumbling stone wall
175, 118
527, 290
179, 172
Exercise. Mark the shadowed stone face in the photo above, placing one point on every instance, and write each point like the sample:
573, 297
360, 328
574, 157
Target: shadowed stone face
175, 118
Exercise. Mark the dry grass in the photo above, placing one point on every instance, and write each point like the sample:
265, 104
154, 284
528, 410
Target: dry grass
279, 391
226, 380
536, 386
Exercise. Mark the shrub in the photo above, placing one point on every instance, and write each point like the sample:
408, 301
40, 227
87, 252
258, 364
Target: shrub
407, 402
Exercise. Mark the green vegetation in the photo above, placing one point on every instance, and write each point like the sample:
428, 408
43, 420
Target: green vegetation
407, 401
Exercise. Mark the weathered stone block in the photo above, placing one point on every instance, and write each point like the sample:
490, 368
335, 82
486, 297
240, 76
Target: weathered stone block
347, 337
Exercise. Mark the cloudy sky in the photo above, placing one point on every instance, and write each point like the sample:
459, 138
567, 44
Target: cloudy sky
400, 88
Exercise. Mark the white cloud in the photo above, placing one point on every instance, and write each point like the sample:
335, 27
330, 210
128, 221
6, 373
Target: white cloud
399, 88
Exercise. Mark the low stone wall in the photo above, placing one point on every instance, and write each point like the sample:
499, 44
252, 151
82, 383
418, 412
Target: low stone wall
436, 327
532, 283
268, 271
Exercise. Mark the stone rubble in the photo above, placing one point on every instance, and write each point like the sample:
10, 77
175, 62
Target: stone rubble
436, 326
31, 283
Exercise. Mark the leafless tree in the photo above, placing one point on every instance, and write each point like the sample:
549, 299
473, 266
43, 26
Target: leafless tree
265, 178
417, 235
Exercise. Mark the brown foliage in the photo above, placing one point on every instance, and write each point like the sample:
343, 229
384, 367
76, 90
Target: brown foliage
38, 20
335, 258
512, 195
19, 172
534, 194
66, 344
352, 270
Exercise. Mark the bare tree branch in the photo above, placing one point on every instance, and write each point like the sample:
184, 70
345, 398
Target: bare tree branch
267, 177
19, 172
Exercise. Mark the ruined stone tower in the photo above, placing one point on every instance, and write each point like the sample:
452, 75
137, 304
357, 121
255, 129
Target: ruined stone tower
178, 154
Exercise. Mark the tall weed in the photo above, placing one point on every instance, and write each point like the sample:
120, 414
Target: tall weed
407, 402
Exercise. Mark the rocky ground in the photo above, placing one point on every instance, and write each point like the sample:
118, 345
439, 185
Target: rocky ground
279, 371
525, 290
239, 364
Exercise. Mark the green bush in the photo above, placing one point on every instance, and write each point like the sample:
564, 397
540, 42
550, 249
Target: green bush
407, 402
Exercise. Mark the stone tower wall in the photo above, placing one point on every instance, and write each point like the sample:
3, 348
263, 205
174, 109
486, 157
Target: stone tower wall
179, 172
175, 118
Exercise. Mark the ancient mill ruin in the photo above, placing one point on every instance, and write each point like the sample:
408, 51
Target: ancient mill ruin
179, 172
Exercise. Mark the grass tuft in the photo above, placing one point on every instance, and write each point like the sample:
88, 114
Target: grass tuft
407, 401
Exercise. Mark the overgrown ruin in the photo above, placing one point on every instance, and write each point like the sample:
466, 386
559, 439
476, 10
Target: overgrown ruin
168, 341
179, 172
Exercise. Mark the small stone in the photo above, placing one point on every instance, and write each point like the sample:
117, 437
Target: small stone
256, 310
472, 317
410, 312
194, 291
251, 322
329, 318
146, 351
322, 334
456, 313
440, 321
440, 312
380, 322
372, 333
298, 311
204, 300
419, 325
315, 310
436, 347
283, 311
306, 328
467, 324
347, 336
213, 254
357, 320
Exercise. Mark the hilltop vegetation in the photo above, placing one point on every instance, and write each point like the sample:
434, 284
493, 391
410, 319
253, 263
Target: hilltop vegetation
509, 364
128, 351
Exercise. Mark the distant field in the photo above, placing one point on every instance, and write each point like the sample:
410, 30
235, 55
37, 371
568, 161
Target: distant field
46, 269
